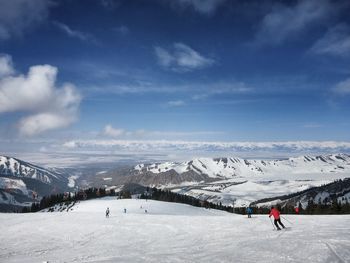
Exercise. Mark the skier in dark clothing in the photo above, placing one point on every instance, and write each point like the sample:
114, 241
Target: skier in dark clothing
276, 214
249, 212
107, 212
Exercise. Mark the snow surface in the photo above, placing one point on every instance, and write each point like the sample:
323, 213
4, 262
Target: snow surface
169, 232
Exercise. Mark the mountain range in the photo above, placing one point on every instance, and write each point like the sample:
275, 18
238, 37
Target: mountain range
22, 183
228, 180
235, 180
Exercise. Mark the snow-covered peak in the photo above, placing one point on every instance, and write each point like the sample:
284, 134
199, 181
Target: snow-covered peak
10, 166
232, 167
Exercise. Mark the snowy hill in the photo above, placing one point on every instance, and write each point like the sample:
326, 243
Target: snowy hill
168, 233
21, 181
235, 180
325, 194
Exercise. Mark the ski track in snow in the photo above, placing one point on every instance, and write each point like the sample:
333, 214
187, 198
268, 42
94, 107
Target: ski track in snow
169, 233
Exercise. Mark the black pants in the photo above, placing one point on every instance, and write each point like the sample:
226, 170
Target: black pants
279, 222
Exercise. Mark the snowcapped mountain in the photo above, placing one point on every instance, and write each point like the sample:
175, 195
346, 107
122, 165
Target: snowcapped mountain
225, 168
236, 180
13, 167
22, 182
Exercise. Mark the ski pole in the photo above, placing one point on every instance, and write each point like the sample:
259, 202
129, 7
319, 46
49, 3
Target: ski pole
272, 224
287, 220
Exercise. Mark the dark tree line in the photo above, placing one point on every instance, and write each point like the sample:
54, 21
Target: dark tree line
68, 198
168, 196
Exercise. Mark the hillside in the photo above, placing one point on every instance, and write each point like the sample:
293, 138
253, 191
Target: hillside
22, 183
338, 191
168, 233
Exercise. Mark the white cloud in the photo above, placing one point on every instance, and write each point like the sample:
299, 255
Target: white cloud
74, 33
17, 16
41, 122
181, 58
335, 42
175, 103
343, 87
6, 67
206, 7
284, 22
112, 132
48, 107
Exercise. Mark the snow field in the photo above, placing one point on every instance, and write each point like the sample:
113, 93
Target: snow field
168, 233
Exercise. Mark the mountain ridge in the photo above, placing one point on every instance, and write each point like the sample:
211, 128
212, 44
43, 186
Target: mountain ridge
22, 183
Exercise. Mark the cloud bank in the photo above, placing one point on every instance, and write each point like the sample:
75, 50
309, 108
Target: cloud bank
46, 106
162, 146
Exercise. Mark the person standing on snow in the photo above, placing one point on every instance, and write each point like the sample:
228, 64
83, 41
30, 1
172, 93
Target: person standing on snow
249, 212
276, 214
296, 209
107, 212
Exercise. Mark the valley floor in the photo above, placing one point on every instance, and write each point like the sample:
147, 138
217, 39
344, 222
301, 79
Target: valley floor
168, 233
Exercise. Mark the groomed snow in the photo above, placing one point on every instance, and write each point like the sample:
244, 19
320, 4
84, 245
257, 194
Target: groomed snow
168, 233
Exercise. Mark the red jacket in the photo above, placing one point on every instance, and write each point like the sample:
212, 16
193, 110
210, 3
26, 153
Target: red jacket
275, 213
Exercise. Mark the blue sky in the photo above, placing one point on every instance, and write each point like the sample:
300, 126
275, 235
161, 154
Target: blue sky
173, 70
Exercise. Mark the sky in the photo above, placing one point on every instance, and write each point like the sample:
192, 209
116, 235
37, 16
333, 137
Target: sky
161, 76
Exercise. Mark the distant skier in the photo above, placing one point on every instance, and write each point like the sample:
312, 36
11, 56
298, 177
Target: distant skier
107, 212
146, 211
124, 210
249, 212
276, 214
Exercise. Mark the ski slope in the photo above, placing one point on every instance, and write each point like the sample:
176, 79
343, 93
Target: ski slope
169, 232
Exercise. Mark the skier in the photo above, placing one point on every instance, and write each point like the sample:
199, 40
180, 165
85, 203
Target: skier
107, 212
249, 212
296, 210
276, 214
124, 210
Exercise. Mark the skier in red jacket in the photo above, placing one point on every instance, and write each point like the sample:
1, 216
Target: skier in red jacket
296, 210
276, 214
